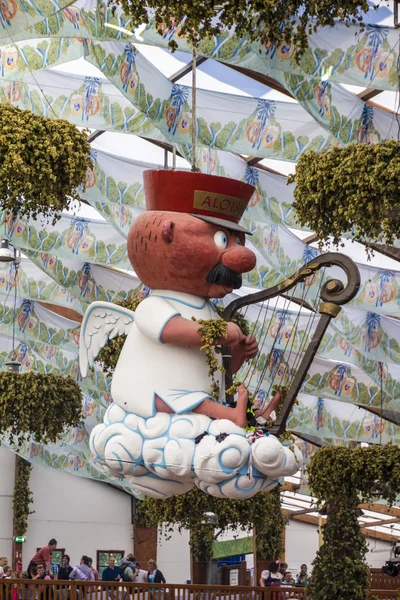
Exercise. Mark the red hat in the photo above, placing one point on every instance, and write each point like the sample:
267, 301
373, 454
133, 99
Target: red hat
217, 200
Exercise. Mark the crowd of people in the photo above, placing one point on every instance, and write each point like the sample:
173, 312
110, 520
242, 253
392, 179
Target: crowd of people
42, 567
128, 570
278, 575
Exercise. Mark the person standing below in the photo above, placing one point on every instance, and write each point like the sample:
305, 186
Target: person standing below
82, 572
154, 575
283, 567
288, 580
141, 574
94, 571
129, 569
271, 577
112, 572
43, 557
302, 577
65, 569
3, 563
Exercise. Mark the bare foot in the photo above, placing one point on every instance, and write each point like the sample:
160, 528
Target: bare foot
266, 411
239, 413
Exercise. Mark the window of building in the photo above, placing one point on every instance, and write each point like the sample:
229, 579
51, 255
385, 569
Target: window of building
103, 556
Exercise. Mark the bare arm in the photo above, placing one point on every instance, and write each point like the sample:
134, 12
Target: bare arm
184, 332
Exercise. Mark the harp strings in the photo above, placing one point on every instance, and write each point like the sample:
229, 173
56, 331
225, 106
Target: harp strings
305, 339
255, 375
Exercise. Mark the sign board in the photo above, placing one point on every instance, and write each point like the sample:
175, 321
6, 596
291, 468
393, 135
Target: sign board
234, 577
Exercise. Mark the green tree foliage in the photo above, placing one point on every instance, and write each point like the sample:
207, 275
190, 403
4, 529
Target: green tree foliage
38, 405
253, 19
189, 511
341, 478
350, 189
43, 161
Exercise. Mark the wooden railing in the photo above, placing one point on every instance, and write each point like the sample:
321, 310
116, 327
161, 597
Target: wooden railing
382, 581
28, 589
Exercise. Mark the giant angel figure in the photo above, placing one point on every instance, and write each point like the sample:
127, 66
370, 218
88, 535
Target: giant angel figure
164, 431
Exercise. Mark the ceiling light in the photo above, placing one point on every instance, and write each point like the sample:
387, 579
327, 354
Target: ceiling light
13, 366
6, 254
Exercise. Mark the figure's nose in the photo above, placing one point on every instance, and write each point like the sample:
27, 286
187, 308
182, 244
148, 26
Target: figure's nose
239, 259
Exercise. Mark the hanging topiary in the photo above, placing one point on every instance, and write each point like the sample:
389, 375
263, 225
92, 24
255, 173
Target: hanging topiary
22, 496
38, 405
354, 189
43, 162
270, 21
192, 510
341, 478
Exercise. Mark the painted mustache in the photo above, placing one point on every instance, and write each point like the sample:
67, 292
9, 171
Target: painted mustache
221, 275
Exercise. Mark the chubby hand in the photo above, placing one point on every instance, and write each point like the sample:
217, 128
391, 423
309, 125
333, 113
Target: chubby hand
250, 347
234, 335
245, 350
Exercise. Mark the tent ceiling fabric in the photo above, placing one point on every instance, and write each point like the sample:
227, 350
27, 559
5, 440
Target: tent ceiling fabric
77, 61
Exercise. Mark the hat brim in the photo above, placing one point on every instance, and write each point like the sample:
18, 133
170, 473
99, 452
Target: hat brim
223, 223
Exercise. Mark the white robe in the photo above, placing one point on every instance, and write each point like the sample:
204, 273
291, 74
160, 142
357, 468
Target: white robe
148, 368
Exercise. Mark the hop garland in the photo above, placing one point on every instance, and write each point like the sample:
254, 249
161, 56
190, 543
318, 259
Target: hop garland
341, 478
211, 331
22, 496
189, 511
268, 21
43, 161
354, 189
40, 405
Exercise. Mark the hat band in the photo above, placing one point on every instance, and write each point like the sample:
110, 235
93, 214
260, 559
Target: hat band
227, 207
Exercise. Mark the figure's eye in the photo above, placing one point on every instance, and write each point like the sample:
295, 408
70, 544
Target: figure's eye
238, 241
221, 240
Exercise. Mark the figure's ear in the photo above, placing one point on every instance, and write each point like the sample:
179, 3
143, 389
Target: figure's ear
168, 231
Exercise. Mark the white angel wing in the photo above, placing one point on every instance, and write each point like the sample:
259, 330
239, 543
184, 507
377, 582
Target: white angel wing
103, 321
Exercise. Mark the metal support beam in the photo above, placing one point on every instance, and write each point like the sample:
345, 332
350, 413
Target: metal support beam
389, 251
311, 239
261, 78
186, 69
311, 439
381, 522
368, 94
95, 135
381, 508
396, 12
391, 416
376, 535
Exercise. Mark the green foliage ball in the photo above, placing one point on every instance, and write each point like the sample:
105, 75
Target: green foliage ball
354, 189
40, 405
43, 161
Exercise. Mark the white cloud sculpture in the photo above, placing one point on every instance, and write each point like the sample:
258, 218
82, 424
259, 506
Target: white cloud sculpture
159, 456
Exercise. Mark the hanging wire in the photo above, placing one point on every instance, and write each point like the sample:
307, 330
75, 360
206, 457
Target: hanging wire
380, 364
397, 109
